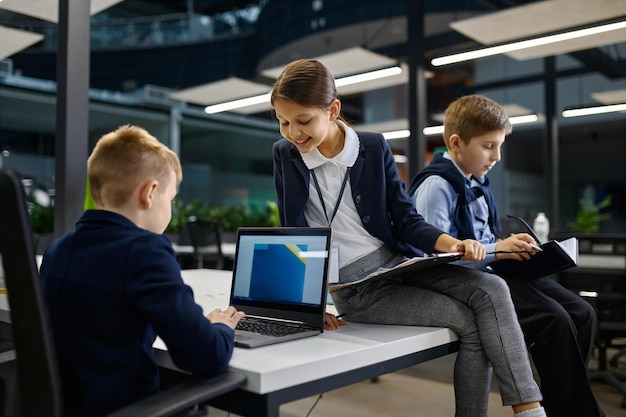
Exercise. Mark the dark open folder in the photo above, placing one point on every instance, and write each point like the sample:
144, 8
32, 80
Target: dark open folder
554, 257
409, 265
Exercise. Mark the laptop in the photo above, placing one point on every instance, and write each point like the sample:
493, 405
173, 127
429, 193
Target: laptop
280, 276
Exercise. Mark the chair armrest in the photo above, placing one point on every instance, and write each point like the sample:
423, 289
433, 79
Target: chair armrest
182, 396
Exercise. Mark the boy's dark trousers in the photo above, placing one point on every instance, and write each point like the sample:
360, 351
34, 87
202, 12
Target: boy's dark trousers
559, 328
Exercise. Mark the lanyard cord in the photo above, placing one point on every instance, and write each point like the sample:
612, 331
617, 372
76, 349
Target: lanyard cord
319, 193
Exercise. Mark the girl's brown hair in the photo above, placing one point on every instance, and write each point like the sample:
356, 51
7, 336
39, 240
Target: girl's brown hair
306, 82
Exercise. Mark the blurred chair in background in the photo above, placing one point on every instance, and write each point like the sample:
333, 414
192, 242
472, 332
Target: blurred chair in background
206, 240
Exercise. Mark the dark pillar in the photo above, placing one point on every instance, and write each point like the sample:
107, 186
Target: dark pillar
551, 144
417, 87
72, 129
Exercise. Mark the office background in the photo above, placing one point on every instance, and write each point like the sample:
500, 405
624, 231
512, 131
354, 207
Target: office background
146, 58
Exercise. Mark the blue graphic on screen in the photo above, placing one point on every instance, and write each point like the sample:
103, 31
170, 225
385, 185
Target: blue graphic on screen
277, 272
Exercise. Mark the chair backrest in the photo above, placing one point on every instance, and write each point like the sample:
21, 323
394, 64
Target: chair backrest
206, 241
205, 234
39, 392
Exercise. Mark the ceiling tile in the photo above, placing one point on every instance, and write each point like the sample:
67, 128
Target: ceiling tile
346, 62
49, 9
386, 126
541, 18
610, 97
537, 18
14, 40
587, 42
220, 91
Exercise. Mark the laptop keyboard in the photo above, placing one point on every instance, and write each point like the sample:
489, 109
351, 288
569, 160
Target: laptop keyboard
268, 328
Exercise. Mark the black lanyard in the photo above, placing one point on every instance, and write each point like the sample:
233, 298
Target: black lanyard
319, 193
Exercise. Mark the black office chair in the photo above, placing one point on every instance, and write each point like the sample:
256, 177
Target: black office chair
605, 289
206, 240
38, 386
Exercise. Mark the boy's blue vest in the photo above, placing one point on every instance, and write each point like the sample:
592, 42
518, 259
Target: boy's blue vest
446, 169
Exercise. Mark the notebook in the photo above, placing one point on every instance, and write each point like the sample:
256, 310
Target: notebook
554, 257
280, 276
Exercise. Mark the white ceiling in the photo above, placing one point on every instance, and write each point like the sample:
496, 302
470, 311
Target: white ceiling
386, 126
228, 89
610, 97
49, 9
14, 40
347, 62
352, 61
545, 17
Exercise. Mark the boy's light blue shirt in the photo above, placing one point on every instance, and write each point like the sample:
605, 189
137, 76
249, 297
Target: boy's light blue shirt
436, 200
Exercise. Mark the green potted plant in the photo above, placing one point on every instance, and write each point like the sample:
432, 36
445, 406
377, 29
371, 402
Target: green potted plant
42, 223
590, 215
180, 215
231, 218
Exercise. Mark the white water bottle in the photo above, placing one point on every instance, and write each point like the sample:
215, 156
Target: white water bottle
541, 225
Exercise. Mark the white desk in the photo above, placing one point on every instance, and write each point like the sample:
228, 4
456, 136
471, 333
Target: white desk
292, 370
297, 369
590, 261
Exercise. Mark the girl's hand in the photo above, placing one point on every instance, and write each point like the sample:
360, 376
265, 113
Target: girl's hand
331, 322
472, 250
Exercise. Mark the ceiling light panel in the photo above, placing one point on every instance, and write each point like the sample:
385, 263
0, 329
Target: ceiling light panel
545, 17
399, 78
589, 111
360, 75
579, 44
537, 18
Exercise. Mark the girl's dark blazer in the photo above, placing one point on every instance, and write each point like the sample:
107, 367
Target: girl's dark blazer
386, 210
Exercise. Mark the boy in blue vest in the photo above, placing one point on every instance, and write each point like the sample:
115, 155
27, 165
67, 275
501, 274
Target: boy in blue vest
453, 194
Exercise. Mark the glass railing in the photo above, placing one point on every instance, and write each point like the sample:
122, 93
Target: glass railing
151, 31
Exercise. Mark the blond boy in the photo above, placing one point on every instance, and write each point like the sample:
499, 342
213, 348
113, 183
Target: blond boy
113, 284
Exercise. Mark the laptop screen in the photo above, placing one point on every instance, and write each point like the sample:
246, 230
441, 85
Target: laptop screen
281, 268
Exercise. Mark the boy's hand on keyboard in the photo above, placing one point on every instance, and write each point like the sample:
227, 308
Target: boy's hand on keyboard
229, 317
